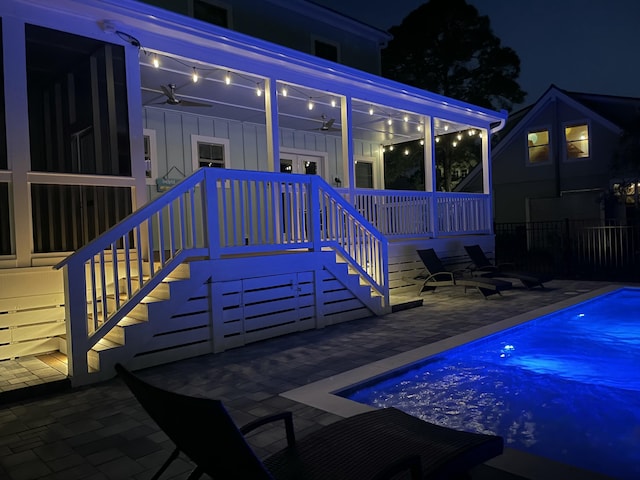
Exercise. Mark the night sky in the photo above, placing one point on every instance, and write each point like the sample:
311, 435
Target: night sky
579, 45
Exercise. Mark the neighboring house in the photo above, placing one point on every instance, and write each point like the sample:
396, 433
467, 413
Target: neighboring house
170, 188
554, 159
298, 24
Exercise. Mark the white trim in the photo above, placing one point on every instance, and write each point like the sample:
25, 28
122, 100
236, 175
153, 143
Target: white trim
53, 178
374, 169
153, 155
531, 129
578, 123
195, 139
323, 156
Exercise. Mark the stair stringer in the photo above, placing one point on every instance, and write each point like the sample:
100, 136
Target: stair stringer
142, 323
356, 285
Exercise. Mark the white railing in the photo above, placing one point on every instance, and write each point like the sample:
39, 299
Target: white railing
212, 213
400, 213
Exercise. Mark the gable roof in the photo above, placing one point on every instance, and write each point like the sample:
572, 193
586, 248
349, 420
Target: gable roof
614, 113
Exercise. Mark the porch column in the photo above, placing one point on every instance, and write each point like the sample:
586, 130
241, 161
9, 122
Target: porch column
271, 111
17, 129
486, 171
349, 170
430, 177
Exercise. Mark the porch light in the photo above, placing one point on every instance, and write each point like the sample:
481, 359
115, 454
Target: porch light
472, 132
195, 76
391, 148
156, 61
310, 104
227, 78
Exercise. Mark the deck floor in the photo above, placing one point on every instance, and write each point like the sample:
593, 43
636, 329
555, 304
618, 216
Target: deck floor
100, 432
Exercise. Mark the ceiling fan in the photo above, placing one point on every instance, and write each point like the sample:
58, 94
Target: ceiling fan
327, 124
170, 92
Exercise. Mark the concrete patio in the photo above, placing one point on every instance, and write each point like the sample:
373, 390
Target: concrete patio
100, 432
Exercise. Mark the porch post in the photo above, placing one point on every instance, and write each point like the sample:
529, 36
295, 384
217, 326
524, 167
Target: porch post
271, 111
486, 177
17, 129
430, 180
348, 166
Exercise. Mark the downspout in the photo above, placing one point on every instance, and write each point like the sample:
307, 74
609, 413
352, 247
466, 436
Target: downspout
487, 163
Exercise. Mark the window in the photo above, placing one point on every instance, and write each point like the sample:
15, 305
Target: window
577, 138
209, 151
364, 174
150, 156
538, 146
211, 13
328, 51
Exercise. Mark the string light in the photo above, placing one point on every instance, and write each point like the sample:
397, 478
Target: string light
406, 118
156, 61
389, 121
258, 90
422, 141
370, 110
391, 148
333, 102
437, 139
419, 128
455, 144
227, 78
459, 136
406, 151
195, 77
446, 128
284, 91
310, 104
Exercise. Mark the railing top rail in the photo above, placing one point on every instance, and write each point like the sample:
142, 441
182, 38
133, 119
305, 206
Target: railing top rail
133, 219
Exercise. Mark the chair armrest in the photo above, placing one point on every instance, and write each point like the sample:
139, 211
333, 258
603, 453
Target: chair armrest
411, 463
434, 276
259, 422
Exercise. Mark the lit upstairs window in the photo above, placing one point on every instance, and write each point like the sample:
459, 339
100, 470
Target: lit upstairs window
538, 146
577, 137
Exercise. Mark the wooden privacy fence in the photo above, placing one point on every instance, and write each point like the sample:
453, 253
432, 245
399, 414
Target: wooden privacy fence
572, 248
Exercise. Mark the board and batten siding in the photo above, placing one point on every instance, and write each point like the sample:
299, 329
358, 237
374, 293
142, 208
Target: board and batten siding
248, 143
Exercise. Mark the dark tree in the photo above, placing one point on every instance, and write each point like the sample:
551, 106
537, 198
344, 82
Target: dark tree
446, 47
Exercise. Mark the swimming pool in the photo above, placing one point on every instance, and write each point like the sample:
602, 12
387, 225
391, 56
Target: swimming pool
565, 386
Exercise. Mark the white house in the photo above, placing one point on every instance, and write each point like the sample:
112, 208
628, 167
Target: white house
172, 188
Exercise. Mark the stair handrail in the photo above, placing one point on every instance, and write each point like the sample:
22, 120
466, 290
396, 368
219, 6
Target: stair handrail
94, 306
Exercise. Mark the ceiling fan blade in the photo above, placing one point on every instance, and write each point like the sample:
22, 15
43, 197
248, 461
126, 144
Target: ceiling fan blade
187, 103
329, 124
166, 91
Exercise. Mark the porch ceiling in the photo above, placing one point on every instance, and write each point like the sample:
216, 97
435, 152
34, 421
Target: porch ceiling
239, 101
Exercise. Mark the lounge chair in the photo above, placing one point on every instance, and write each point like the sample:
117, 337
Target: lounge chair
438, 276
376, 445
483, 267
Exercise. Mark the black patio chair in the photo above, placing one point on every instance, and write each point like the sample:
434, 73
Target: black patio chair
483, 267
437, 275
376, 445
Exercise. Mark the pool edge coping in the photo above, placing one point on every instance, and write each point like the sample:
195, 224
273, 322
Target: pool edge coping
321, 394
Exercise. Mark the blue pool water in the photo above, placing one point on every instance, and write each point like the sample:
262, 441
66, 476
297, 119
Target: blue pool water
565, 386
